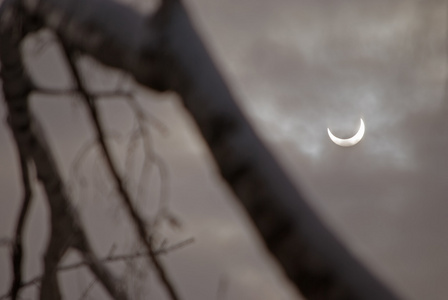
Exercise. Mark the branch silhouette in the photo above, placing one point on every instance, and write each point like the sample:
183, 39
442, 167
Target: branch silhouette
136, 218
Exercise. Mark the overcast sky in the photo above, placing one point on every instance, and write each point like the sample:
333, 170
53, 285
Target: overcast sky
297, 67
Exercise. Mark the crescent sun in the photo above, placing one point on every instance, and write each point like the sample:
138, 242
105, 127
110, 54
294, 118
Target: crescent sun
350, 141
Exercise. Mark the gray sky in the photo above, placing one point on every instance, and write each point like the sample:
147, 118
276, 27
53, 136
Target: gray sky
297, 67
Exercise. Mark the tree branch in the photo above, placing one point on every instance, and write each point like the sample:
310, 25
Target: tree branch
108, 259
136, 219
66, 230
17, 253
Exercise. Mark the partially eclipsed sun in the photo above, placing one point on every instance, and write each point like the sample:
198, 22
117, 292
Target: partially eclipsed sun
350, 141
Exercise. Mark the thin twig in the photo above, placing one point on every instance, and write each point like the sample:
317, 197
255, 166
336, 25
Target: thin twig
87, 290
108, 259
87, 148
146, 117
152, 158
41, 42
115, 258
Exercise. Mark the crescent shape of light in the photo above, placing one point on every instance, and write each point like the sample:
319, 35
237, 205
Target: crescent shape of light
350, 141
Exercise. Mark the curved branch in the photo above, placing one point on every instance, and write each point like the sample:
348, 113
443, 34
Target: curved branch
17, 246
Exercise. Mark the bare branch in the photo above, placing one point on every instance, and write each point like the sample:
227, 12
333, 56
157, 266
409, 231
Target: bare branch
102, 274
87, 290
153, 159
115, 258
136, 219
87, 148
55, 251
108, 259
128, 95
66, 230
146, 117
17, 252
